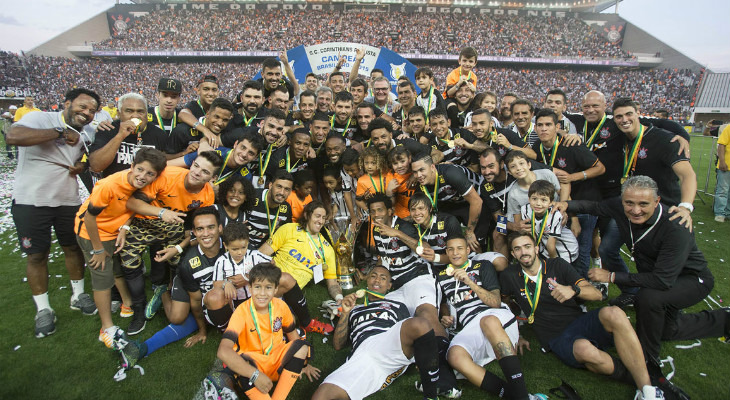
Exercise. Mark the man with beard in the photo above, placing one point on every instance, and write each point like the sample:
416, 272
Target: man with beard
505, 110
251, 110
270, 209
459, 146
46, 194
186, 138
113, 151
164, 115
364, 113
381, 136
461, 104
522, 112
342, 123
271, 76
207, 91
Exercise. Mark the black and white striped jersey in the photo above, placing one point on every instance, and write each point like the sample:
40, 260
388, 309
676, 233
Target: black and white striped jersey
375, 318
259, 221
402, 262
462, 298
225, 218
225, 267
441, 228
566, 244
454, 182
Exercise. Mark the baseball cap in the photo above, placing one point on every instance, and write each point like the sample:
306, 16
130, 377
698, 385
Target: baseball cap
169, 85
13, 108
208, 78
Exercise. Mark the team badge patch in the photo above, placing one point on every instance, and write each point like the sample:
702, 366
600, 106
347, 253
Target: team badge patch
149, 117
502, 151
277, 325
605, 133
643, 153
397, 70
562, 163
394, 243
195, 204
25, 242
440, 241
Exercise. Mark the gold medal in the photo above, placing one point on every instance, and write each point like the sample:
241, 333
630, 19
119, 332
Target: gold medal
419, 250
449, 270
261, 180
360, 294
450, 143
531, 319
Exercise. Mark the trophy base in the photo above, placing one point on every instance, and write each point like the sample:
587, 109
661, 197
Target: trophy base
345, 281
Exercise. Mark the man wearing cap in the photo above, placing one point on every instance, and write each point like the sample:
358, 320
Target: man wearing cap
207, 90
28, 106
165, 114
8, 117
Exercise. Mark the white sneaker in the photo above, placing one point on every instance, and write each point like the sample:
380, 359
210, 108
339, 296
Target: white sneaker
719, 218
649, 393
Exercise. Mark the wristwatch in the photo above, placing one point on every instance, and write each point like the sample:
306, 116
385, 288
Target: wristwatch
60, 131
95, 252
576, 289
688, 206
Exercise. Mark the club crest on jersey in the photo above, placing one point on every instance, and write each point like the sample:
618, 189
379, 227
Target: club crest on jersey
440, 241
282, 208
277, 325
562, 163
488, 187
195, 204
605, 133
149, 117
502, 151
394, 243
26, 242
397, 70
643, 153
194, 262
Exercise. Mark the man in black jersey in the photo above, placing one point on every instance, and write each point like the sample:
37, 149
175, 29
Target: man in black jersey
459, 146
291, 158
271, 76
461, 104
364, 114
451, 190
406, 100
385, 340
672, 273
342, 122
207, 90
185, 138
558, 102
164, 115
487, 329
304, 116
278, 99
270, 209
381, 136
546, 291
319, 128
251, 109
503, 140
113, 151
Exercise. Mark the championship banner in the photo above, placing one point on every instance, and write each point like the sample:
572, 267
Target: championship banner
321, 59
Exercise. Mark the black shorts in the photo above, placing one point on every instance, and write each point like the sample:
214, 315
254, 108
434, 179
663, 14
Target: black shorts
34, 224
589, 327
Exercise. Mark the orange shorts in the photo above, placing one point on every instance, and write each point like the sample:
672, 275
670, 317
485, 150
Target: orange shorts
269, 364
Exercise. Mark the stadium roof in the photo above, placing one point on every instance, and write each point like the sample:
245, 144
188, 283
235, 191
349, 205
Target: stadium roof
557, 5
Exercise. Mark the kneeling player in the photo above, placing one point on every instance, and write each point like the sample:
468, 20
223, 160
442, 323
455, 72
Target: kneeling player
384, 342
546, 291
487, 328
253, 347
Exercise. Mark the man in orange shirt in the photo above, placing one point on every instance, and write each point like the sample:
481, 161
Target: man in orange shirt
101, 227
161, 207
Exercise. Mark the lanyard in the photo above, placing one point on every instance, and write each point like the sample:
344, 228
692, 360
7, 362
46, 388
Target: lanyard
223, 177
631, 232
534, 298
464, 265
319, 250
554, 151
264, 165
201, 106
258, 329
374, 293
538, 239
630, 157
347, 126
589, 141
381, 183
159, 119
268, 216
430, 98
289, 168
434, 199
420, 235
248, 121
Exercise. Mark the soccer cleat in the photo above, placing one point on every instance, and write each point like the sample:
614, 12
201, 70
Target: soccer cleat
623, 300
84, 304
125, 312
451, 393
218, 386
114, 339
116, 305
138, 321
669, 390
45, 323
658, 395
155, 302
317, 326
132, 353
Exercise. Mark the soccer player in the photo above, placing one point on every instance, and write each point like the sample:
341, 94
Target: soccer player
253, 349
460, 106
185, 138
207, 90
46, 195
434, 229
381, 136
459, 146
164, 115
406, 100
279, 100
303, 117
385, 341
271, 76
160, 208
113, 151
487, 329
558, 102
546, 291
291, 158
251, 111
450, 189
341, 123
270, 209
101, 228
503, 140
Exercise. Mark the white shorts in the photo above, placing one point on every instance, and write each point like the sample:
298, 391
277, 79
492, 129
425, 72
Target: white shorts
375, 365
471, 338
420, 290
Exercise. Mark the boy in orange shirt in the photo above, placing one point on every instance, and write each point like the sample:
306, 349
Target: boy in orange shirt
302, 194
253, 349
101, 227
464, 74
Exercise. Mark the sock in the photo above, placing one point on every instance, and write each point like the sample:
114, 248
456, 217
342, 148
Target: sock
649, 392
620, 373
77, 287
493, 384
288, 377
447, 379
516, 388
170, 334
294, 298
41, 301
427, 361
255, 394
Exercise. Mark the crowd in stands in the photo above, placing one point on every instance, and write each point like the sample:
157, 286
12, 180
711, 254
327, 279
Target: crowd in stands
426, 33
12, 73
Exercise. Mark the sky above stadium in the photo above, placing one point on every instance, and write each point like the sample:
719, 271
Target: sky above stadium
697, 28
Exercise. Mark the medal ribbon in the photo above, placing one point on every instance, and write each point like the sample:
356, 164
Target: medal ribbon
288, 168
554, 152
421, 235
262, 165
347, 126
434, 199
222, 177
249, 120
201, 106
430, 98
382, 184
534, 298
268, 216
258, 330
462, 266
374, 293
318, 249
589, 141
159, 119
630, 158
538, 239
